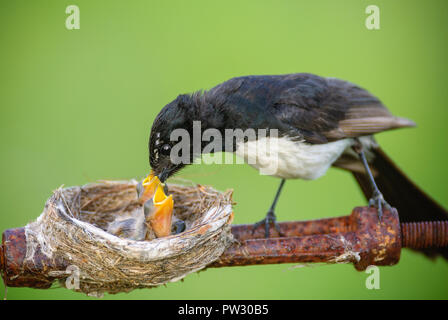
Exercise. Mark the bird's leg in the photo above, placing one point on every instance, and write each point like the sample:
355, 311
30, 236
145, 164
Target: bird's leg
377, 199
270, 216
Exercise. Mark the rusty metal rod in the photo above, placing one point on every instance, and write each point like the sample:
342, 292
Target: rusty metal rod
425, 234
358, 238
414, 235
295, 228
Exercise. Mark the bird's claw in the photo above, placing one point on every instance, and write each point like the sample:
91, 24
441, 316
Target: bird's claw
377, 201
267, 221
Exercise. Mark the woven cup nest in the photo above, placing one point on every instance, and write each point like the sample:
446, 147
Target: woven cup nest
76, 227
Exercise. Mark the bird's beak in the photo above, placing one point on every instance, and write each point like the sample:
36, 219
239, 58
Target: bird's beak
147, 188
158, 207
164, 174
159, 213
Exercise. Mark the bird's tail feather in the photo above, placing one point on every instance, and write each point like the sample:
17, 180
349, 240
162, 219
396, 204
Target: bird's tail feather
400, 192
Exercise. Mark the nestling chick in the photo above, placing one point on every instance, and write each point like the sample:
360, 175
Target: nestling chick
157, 206
130, 226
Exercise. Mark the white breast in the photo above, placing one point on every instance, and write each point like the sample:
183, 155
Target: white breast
284, 158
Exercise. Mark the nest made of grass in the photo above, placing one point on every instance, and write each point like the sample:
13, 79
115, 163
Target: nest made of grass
74, 228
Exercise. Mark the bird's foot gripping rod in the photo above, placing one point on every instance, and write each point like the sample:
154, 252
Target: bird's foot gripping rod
359, 238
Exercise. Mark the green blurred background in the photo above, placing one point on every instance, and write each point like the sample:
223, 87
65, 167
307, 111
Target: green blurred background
77, 106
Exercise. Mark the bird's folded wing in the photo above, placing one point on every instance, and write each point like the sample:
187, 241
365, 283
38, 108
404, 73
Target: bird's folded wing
328, 109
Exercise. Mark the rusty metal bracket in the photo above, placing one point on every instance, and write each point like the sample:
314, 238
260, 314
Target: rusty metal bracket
359, 238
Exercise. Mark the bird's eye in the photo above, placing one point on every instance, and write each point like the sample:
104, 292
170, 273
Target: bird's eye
165, 149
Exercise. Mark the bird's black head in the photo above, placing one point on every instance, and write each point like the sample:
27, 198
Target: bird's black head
169, 149
175, 115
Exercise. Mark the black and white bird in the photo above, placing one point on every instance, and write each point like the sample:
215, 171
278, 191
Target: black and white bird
321, 122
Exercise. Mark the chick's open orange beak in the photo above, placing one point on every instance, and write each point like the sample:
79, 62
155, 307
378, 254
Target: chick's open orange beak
162, 212
149, 184
158, 207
